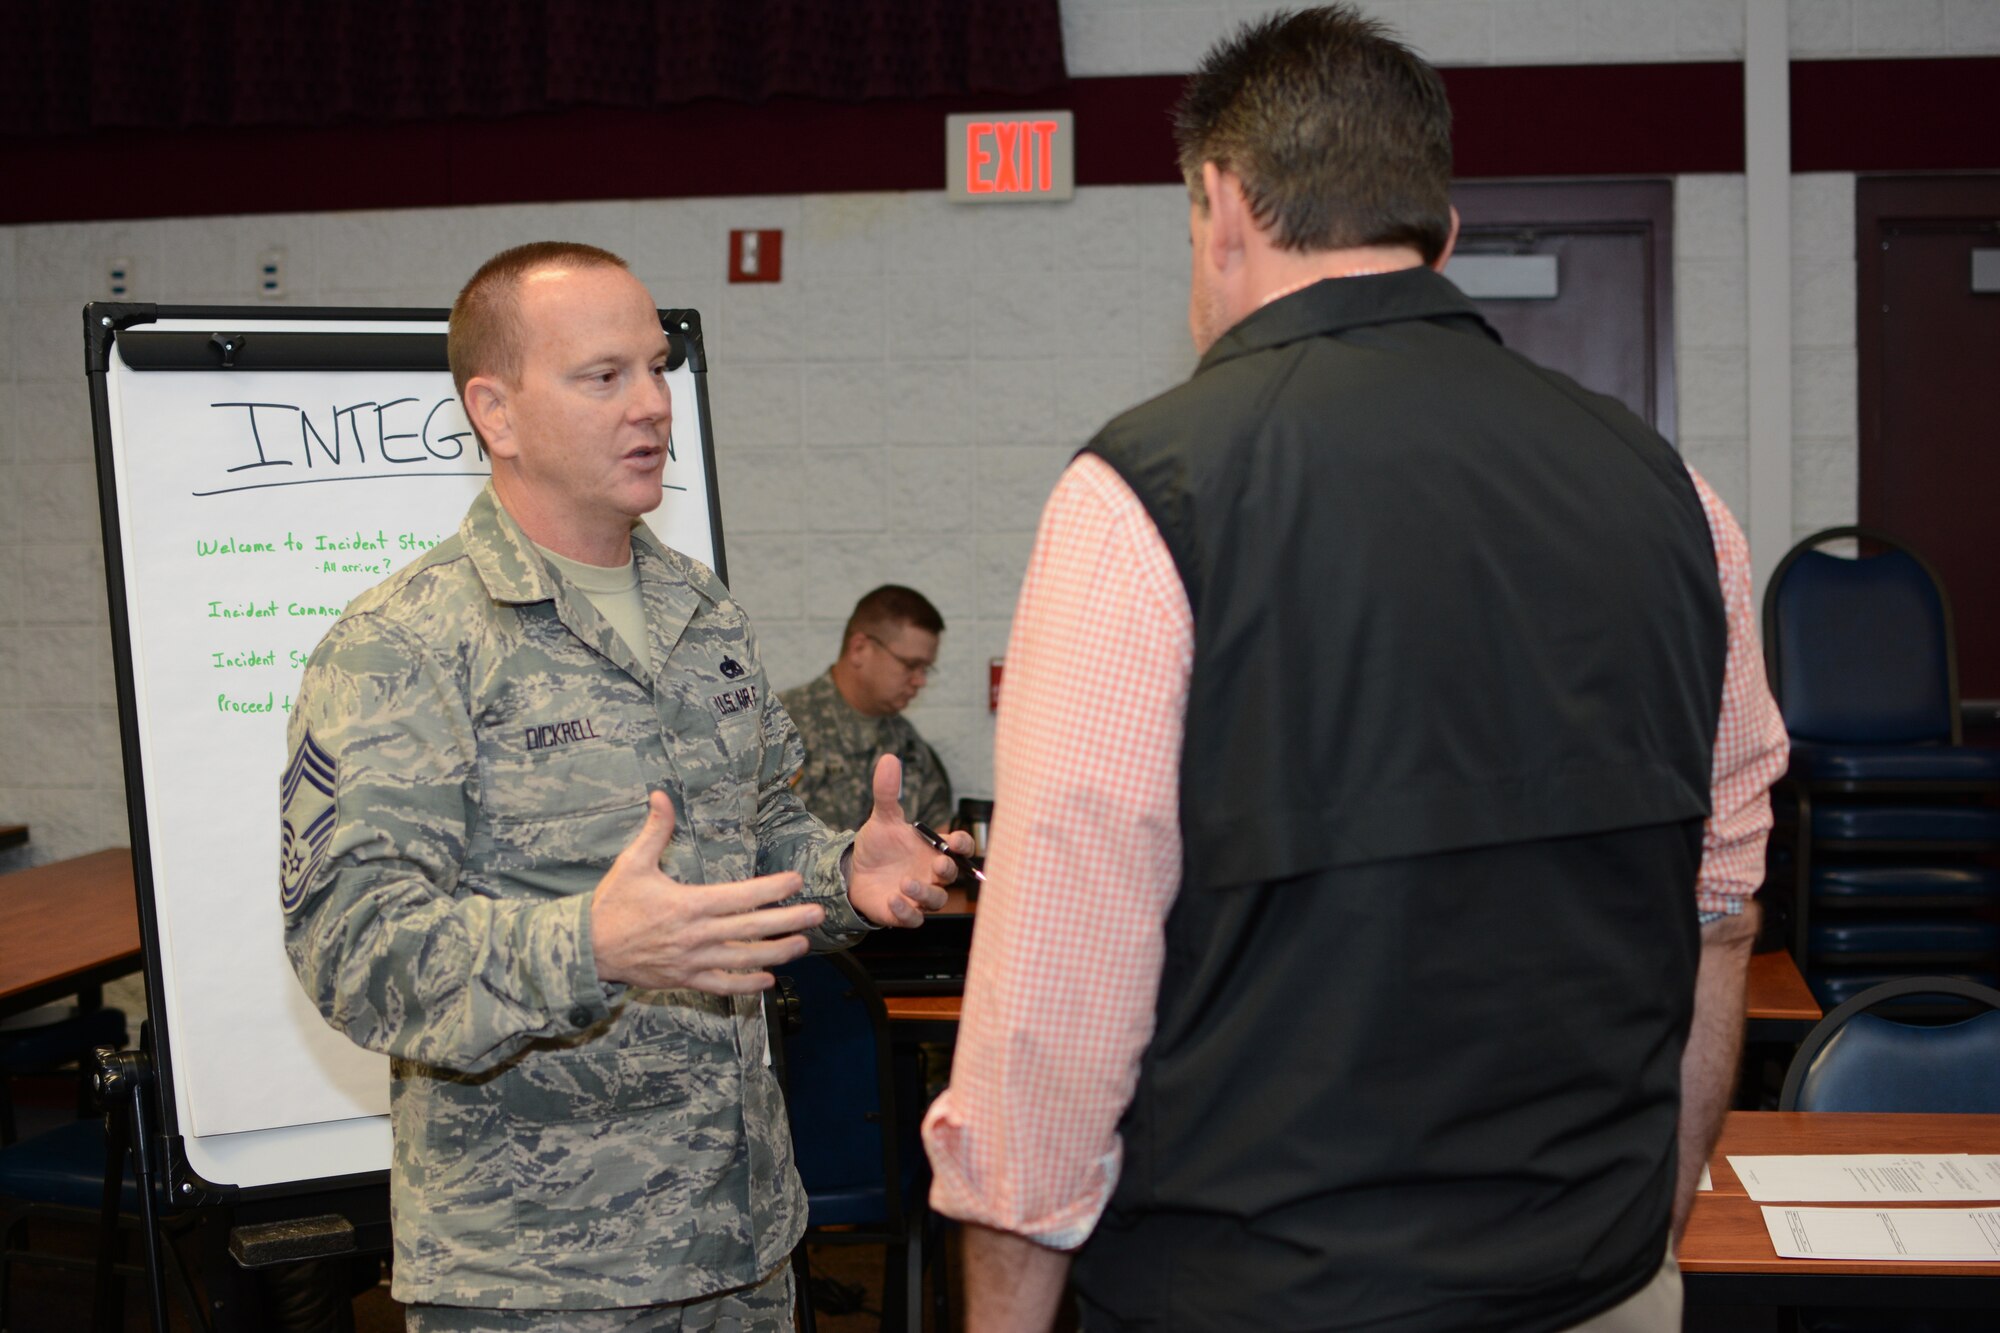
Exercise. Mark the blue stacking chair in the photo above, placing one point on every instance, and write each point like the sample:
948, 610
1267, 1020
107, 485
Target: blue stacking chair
59, 1174
1889, 811
62, 1040
62, 1173
1855, 1059
854, 1131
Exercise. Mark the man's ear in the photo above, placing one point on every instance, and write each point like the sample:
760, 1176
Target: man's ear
1229, 218
487, 406
1450, 243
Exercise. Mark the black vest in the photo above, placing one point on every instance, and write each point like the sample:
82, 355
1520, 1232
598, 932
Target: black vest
1457, 668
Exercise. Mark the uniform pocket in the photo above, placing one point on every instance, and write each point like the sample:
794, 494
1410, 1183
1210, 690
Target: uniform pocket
544, 1155
537, 786
613, 1151
551, 822
594, 1082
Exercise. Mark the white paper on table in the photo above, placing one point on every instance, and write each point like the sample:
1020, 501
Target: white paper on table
1707, 1182
1868, 1177
1914, 1234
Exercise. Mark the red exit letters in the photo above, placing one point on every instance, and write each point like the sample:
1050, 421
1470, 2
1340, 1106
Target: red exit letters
1009, 156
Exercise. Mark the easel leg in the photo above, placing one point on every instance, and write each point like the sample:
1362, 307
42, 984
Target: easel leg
107, 1310
123, 1080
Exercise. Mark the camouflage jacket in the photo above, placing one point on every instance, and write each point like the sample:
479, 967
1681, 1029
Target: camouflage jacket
471, 747
842, 746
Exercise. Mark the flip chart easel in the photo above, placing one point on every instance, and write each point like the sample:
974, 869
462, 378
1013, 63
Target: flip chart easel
257, 469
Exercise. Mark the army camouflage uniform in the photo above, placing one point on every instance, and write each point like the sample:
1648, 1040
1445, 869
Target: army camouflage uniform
472, 747
842, 746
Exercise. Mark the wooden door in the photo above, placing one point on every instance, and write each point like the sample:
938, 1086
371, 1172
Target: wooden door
1929, 363
1610, 327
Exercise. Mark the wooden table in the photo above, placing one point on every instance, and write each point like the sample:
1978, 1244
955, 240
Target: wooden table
66, 927
1726, 1257
1778, 1003
937, 1015
923, 1008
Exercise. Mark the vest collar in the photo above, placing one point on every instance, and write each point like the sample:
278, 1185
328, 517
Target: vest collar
1335, 305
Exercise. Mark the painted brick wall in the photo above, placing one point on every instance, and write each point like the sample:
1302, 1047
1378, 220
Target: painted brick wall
1711, 333
1168, 36
1826, 443
898, 407
1139, 37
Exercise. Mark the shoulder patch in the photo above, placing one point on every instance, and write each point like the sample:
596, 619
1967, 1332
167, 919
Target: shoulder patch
306, 797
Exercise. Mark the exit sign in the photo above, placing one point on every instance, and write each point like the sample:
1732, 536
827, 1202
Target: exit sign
1022, 157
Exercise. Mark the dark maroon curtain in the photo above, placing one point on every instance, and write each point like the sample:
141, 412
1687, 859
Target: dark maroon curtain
69, 66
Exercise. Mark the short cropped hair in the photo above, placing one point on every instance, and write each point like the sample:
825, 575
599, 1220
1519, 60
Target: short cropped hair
1340, 134
888, 607
485, 335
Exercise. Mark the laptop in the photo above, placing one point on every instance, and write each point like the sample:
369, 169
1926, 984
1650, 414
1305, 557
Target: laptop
926, 961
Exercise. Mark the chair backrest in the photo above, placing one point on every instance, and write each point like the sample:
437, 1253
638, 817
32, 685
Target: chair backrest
1861, 650
840, 1082
1859, 1061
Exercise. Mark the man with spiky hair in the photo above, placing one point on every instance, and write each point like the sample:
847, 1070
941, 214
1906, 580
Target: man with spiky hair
1382, 781
542, 849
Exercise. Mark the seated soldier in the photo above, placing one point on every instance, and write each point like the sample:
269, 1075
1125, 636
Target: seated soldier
853, 714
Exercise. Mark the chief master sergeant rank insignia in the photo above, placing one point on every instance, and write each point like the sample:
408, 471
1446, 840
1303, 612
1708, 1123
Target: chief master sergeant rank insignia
307, 827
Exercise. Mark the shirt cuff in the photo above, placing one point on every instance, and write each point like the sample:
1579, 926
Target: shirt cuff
585, 1000
826, 886
1714, 907
958, 1192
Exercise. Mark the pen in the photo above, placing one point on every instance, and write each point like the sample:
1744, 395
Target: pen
964, 863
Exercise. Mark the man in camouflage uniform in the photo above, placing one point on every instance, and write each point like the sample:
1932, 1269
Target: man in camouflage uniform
586, 1131
853, 715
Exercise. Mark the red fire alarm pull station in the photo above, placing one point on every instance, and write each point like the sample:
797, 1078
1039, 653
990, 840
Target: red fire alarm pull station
755, 256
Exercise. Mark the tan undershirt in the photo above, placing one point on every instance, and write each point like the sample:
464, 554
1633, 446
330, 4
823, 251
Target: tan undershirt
613, 590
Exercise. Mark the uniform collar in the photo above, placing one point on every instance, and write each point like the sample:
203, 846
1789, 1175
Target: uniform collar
508, 563
1335, 305
515, 574
513, 571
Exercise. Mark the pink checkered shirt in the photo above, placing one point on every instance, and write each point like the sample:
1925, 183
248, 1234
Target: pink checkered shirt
1086, 855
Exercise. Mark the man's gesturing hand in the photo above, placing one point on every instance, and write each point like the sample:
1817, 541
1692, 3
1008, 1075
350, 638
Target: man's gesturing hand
894, 876
652, 931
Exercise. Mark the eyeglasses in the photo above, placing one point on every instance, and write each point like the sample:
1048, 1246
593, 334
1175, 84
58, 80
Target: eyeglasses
914, 666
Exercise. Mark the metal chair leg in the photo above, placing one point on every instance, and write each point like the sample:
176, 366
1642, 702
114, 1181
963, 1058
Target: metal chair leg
940, 1249
896, 1310
913, 1276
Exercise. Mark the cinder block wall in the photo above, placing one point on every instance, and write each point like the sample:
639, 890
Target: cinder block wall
898, 407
